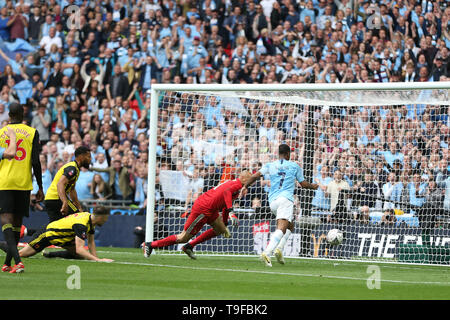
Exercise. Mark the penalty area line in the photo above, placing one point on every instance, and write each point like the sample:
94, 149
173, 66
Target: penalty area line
277, 273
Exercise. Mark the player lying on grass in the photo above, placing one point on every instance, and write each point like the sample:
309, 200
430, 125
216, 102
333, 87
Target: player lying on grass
70, 233
283, 175
206, 209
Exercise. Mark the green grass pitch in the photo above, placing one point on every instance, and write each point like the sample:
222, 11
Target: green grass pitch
176, 277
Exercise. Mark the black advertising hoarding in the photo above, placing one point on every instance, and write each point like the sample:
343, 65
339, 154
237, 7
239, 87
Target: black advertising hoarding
366, 242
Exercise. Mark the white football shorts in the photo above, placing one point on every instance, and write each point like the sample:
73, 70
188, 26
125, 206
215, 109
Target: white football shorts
283, 209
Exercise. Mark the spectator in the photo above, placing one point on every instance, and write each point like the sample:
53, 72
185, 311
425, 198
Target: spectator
48, 41
309, 11
392, 190
211, 179
35, 22
140, 196
54, 75
322, 179
17, 24
84, 184
47, 25
366, 194
445, 184
417, 191
213, 113
93, 76
118, 85
41, 121
3, 114
100, 162
69, 61
100, 189
388, 218
4, 27
431, 208
148, 73
439, 69
335, 187
392, 154
194, 54
119, 180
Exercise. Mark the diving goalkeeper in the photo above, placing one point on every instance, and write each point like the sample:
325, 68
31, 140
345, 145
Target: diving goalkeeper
228, 217
206, 210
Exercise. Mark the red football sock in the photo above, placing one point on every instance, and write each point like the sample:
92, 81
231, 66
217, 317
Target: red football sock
208, 234
164, 242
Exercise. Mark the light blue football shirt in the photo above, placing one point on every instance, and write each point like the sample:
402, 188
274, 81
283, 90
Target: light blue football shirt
282, 175
2, 150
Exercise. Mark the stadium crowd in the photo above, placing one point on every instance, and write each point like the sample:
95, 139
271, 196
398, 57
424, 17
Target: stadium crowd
92, 69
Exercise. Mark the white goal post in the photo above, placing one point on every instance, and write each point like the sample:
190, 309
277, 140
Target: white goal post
348, 126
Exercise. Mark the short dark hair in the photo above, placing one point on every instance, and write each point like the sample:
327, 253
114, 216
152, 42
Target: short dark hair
81, 150
16, 111
101, 211
284, 149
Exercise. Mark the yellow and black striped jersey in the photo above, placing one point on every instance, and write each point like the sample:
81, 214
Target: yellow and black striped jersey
15, 174
62, 232
71, 171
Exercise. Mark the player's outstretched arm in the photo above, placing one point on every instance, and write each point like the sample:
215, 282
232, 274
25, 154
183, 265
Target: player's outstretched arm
248, 181
91, 245
82, 252
257, 175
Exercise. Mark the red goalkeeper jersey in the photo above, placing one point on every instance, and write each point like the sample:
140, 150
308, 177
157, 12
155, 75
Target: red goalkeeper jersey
220, 197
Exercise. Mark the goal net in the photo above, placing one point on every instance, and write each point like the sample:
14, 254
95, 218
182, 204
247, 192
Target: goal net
379, 153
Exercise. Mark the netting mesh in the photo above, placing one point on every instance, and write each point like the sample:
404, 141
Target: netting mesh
344, 98
380, 159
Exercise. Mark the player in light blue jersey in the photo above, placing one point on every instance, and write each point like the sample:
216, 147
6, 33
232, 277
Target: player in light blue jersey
284, 174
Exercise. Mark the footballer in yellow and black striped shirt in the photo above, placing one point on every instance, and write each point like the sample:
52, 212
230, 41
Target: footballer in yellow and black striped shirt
70, 233
61, 198
16, 180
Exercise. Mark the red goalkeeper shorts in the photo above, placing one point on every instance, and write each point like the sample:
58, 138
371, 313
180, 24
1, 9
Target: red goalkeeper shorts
198, 218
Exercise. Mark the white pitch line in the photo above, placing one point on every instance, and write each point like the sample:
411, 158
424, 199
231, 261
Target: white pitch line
278, 273
116, 252
384, 264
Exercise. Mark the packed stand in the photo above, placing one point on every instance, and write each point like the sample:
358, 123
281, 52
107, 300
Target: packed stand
87, 81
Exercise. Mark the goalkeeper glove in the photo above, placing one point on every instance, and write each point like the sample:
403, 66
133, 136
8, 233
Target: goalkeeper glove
227, 233
233, 220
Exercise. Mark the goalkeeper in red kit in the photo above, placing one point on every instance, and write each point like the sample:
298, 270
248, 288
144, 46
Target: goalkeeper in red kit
206, 210
228, 218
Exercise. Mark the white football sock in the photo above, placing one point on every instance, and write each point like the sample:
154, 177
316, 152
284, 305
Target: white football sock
274, 241
284, 240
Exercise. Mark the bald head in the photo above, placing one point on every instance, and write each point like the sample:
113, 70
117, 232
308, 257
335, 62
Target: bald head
244, 177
